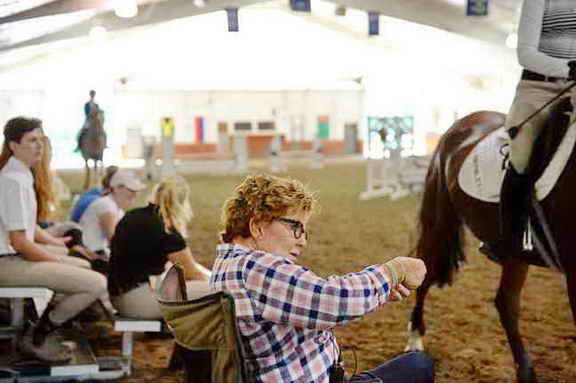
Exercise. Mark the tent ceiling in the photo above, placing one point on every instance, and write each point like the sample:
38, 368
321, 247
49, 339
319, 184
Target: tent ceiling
26, 23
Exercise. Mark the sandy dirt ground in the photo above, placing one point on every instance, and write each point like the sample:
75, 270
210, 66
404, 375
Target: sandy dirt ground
464, 335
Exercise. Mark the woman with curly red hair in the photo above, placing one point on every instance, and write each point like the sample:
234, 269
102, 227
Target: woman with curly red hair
286, 314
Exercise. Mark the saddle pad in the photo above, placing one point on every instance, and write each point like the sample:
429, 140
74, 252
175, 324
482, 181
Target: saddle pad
481, 173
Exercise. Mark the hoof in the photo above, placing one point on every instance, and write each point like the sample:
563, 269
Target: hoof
415, 342
526, 375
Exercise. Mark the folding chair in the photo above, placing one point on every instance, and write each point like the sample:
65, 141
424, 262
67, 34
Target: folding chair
207, 323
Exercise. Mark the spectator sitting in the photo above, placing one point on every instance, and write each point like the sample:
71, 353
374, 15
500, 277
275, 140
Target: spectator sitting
101, 217
146, 240
92, 195
62, 238
22, 261
286, 314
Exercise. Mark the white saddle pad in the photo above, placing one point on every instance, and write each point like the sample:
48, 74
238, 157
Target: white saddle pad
481, 173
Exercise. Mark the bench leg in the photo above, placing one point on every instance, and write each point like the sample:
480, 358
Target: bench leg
17, 319
127, 345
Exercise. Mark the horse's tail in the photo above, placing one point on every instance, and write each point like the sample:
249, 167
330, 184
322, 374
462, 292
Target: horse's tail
441, 230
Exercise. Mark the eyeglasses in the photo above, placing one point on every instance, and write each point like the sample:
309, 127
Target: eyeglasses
297, 227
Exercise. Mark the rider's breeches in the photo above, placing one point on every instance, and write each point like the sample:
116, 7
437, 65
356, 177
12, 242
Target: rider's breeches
78, 286
530, 96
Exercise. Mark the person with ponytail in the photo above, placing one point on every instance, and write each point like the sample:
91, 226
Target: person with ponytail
63, 238
22, 261
147, 239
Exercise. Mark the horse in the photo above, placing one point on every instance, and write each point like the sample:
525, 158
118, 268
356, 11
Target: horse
92, 142
446, 208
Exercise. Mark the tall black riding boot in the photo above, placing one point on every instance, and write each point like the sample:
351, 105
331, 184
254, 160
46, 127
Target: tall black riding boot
514, 199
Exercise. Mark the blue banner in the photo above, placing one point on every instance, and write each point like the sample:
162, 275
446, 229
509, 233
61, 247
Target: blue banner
477, 8
232, 14
300, 5
373, 23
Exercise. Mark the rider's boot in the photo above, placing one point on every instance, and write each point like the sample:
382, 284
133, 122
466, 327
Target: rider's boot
514, 199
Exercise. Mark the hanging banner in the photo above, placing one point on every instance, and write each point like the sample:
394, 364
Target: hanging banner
477, 8
324, 127
373, 23
232, 14
167, 125
199, 124
300, 5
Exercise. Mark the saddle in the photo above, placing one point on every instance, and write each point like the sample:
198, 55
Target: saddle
482, 173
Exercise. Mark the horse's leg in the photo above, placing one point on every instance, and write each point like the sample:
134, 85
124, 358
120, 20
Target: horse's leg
416, 326
508, 305
87, 173
96, 175
571, 286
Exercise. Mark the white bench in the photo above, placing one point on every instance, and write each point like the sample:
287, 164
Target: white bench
41, 296
16, 295
83, 363
128, 326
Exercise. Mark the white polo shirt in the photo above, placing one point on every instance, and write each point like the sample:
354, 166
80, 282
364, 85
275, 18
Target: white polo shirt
18, 207
93, 235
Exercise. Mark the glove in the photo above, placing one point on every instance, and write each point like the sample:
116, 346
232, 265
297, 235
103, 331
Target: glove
572, 72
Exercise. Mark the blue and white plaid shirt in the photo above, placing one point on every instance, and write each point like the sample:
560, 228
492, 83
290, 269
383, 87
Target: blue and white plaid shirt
286, 313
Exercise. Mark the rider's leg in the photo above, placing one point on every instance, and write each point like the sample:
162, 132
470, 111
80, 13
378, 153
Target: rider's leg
516, 185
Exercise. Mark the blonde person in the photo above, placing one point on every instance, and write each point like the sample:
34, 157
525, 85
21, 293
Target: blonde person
146, 240
22, 261
286, 314
100, 218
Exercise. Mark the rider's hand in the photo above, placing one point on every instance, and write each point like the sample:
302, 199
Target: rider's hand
411, 271
572, 72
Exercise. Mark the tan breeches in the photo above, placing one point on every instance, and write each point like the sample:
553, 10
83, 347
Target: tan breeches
530, 96
78, 286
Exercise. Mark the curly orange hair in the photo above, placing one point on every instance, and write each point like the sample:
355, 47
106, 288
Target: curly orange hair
263, 197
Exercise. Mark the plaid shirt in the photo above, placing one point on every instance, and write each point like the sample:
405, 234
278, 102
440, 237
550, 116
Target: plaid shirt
286, 313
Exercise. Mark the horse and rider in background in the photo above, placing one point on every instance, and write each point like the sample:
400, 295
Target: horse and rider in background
92, 139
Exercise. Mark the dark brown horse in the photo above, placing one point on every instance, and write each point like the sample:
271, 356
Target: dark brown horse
92, 142
446, 209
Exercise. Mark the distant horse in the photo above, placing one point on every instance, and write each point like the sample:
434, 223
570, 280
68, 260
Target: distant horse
446, 208
92, 142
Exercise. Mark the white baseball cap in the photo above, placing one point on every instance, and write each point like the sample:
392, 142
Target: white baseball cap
126, 179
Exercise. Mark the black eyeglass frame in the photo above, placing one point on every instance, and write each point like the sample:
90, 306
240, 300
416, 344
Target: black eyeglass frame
296, 226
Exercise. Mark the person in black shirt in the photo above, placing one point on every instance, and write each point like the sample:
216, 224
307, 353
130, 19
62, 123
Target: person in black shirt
145, 240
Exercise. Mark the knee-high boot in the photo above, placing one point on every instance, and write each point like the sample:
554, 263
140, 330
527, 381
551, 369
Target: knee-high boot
514, 199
